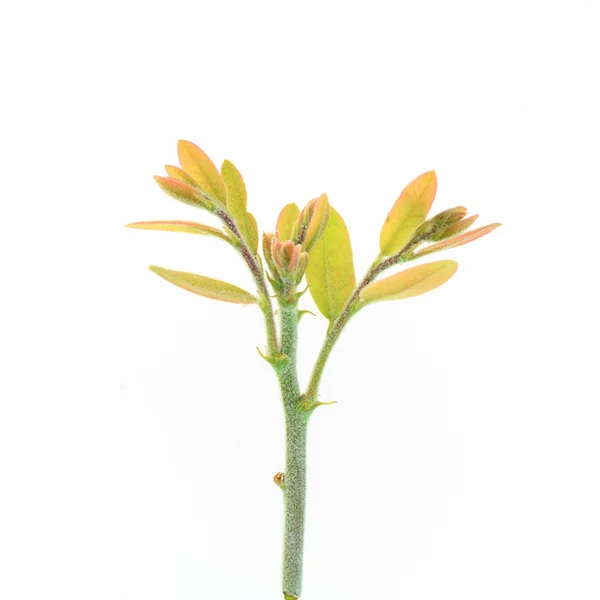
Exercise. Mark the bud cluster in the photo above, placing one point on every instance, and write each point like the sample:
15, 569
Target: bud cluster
286, 261
444, 225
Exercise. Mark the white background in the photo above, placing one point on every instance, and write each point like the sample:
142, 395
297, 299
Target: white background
140, 430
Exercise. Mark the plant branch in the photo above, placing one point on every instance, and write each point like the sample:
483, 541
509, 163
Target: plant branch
337, 326
266, 305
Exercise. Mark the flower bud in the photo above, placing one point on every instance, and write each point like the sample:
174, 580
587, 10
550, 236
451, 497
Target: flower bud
289, 259
311, 222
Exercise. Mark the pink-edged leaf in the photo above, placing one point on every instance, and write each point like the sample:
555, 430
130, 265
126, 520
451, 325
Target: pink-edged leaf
412, 282
183, 192
459, 240
177, 173
181, 227
197, 164
205, 286
409, 212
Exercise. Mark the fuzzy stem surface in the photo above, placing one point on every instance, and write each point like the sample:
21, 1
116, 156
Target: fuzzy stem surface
259, 277
296, 420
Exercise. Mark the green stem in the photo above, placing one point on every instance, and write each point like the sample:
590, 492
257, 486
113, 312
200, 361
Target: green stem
294, 492
266, 305
336, 328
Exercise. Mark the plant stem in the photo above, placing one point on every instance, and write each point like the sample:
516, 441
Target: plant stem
336, 327
334, 331
259, 277
296, 420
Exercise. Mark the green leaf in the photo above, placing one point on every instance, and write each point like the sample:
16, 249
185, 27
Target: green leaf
330, 271
285, 221
237, 199
205, 286
458, 240
412, 282
180, 226
409, 211
198, 165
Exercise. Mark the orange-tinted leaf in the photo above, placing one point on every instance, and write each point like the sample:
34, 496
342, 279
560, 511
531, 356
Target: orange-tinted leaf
183, 192
330, 270
409, 211
177, 173
199, 166
412, 282
458, 240
180, 226
237, 199
205, 286
285, 221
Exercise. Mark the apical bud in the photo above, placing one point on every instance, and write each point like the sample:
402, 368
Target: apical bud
453, 229
311, 222
447, 217
288, 258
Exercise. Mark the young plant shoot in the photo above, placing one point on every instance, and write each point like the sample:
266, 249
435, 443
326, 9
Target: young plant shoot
311, 243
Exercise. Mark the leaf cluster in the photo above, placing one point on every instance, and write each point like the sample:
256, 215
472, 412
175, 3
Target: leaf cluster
311, 243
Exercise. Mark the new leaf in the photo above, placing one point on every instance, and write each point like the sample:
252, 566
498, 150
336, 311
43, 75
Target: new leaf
237, 199
183, 192
181, 227
459, 240
412, 282
285, 222
409, 211
330, 270
205, 286
199, 166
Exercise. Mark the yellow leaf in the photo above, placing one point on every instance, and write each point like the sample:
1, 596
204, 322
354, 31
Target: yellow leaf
183, 192
409, 211
412, 282
237, 199
177, 173
285, 221
197, 164
205, 286
251, 232
330, 271
458, 240
179, 226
